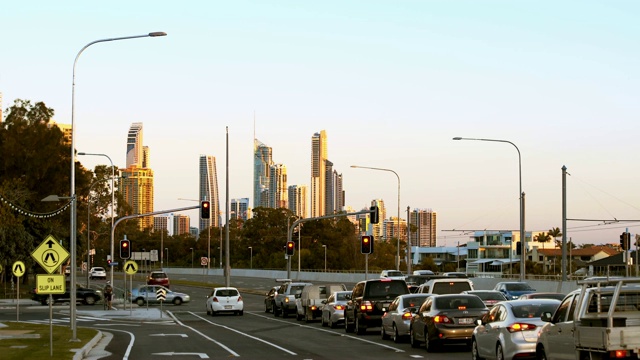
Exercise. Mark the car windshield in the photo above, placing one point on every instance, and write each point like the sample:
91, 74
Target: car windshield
459, 302
394, 273
450, 287
341, 296
386, 289
297, 289
227, 292
487, 295
158, 275
413, 301
530, 311
518, 287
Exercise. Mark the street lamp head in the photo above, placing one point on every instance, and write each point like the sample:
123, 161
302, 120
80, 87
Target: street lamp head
157, 33
457, 138
354, 166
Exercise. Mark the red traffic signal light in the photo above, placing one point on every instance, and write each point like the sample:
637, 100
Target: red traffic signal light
125, 249
366, 244
205, 210
291, 247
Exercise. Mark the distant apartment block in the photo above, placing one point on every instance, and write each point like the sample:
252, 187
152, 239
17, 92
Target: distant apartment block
278, 197
318, 176
425, 221
136, 185
180, 224
208, 190
239, 209
262, 161
390, 228
298, 200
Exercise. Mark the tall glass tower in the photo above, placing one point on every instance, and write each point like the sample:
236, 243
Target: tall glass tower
318, 171
209, 190
262, 161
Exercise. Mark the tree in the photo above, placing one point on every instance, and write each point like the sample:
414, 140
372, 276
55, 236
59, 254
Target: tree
555, 233
542, 238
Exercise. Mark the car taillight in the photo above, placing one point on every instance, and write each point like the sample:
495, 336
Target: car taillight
286, 300
407, 316
313, 307
441, 319
619, 354
520, 327
215, 299
366, 306
239, 298
338, 307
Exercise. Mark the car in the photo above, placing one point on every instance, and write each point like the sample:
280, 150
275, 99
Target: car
488, 297
158, 278
368, 301
309, 304
85, 295
423, 272
542, 295
270, 298
97, 273
225, 300
333, 309
414, 281
513, 289
392, 274
148, 294
285, 300
446, 285
397, 319
455, 274
444, 319
510, 329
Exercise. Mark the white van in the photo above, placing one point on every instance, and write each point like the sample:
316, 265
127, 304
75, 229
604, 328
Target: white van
309, 304
446, 286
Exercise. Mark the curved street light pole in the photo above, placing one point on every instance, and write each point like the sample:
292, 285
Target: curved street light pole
72, 231
523, 241
398, 228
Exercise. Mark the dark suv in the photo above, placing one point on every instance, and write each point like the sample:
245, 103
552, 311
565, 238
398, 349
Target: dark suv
369, 300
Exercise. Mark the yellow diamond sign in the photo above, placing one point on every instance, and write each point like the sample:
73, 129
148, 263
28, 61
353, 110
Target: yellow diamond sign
50, 254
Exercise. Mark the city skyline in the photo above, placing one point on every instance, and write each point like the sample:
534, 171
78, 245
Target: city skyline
391, 85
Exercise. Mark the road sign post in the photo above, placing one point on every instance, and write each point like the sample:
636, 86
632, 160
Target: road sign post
18, 270
130, 268
161, 295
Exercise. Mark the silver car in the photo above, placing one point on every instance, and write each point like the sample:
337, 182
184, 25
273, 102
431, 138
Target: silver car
333, 309
510, 329
148, 294
397, 320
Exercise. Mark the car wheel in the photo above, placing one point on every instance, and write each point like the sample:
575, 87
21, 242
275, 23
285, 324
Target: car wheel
430, 345
499, 353
284, 313
475, 354
412, 339
276, 312
208, 311
90, 300
347, 328
540, 354
324, 323
177, 301
140, 301
396, 336
266, 308
359, 328
298, 316
383, 334
331, 324
213, 313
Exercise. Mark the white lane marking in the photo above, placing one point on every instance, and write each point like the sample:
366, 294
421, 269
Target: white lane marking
329, 331
202, 355
133, 339
203, 335
245, 334
163, 335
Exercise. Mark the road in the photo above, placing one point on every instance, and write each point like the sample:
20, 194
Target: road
187, 332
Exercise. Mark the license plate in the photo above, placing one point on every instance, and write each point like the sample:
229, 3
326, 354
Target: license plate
228, 306
465, 321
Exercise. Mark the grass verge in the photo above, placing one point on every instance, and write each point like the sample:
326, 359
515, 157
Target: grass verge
39, 348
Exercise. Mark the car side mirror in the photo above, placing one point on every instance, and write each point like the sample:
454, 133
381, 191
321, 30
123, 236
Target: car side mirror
546, 317
479, 322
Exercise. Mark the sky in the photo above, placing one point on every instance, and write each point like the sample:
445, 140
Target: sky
391, 83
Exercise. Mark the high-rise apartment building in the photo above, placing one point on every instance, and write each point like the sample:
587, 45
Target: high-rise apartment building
424, 221
278, 187
209, 190
134, 146
298, 200
262, 161
161, 223
378, 229
180, 224
239, 209
137, 179
390, 228
334, 195
318, 170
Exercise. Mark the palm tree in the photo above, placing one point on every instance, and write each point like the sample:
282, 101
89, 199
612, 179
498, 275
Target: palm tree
555, 233
542, 238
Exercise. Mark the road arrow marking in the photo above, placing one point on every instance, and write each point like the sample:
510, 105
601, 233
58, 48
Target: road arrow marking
181, 335
202, 356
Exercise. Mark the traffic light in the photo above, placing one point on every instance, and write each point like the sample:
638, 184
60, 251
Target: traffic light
205, 210
374, 215
125, 249
366, 244
518, 248
291, 247
108, 262
625, 241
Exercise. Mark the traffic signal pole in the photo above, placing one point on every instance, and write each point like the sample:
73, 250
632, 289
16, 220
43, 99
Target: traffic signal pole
372, 210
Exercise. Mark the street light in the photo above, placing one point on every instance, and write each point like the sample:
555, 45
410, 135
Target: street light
72, 237
520, 196
113, 191
398, 249
191, 257
250, 257
89, 227
325, 257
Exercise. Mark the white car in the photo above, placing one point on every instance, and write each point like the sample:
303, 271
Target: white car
392, 274
225, 299
97, 273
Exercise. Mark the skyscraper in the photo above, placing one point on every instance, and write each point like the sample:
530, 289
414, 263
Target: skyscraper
334, 194
298, 200
262, 161
318, 169
209, 190
425, 222
239, 209
137, 179
134, 146
278, 187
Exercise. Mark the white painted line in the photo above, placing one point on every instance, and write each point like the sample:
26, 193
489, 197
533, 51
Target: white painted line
203, 335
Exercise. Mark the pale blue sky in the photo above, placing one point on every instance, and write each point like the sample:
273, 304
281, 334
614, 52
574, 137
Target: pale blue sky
390, 81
